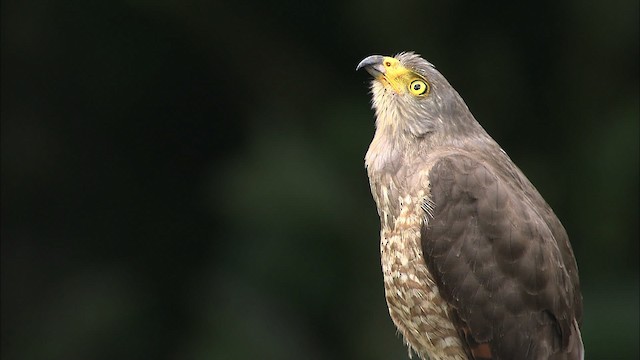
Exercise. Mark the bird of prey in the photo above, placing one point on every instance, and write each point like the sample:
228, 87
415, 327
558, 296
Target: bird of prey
475, 263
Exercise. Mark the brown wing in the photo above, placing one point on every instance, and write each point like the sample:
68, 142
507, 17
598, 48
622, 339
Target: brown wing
497, 264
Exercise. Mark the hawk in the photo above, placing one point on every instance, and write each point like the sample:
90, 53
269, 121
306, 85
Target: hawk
475, 263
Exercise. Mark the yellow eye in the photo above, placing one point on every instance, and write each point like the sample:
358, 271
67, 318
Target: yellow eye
418, 87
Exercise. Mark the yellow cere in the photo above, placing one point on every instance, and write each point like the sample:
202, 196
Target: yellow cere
402, 79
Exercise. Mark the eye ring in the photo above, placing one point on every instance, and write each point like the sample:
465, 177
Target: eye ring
419, 87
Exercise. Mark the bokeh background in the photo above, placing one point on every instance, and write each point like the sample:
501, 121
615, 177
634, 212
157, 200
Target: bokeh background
185, 180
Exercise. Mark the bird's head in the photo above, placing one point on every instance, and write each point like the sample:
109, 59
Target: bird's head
411, 97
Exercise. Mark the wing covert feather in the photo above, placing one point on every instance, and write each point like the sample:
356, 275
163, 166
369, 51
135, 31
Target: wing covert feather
496, 262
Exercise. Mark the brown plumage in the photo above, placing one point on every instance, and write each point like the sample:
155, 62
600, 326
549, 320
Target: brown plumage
476, 265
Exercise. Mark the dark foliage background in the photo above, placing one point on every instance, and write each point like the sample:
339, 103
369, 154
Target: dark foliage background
185, 180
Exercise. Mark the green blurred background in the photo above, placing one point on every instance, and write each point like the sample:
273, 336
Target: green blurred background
185, 179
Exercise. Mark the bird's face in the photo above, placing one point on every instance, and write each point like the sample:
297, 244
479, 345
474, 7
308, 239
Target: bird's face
402, 92
410, 96
395, 76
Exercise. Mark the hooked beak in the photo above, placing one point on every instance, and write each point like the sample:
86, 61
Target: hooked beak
373, 65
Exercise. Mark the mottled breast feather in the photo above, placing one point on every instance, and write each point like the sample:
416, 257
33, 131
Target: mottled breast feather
492, 253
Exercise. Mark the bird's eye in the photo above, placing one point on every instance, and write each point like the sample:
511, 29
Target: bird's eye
418, 87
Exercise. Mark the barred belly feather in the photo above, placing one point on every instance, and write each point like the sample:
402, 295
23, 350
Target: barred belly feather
415, 305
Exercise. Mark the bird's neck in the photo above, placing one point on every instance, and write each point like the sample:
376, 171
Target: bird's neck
394, 146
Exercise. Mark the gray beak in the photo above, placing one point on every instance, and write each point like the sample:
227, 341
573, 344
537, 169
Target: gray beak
373, 65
